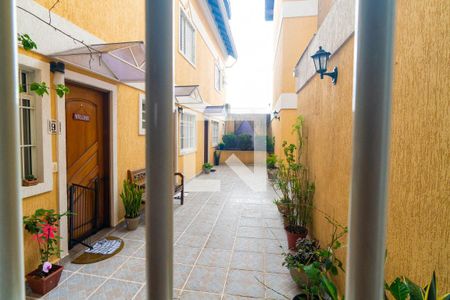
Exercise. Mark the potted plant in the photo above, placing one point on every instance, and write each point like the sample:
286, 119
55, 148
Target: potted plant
216, 157
307, 252
43, 225
29, 180
320, 265
293, 182
132, 198
207, 168
282, 205
271, 161
221, 146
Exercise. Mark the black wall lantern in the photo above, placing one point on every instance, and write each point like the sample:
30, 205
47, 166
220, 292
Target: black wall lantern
276, 115
320, 59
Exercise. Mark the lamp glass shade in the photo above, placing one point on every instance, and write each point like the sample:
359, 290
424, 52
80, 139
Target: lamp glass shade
320, 59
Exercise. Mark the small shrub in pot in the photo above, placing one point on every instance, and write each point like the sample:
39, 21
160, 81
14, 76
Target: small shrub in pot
132, 198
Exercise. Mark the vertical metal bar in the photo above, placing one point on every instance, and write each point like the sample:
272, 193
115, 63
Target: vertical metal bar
71, 217
159, 148
372, 96
11, 251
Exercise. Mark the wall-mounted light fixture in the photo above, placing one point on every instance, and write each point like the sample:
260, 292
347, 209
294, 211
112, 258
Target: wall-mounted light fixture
180, 109
276, 115
320, 59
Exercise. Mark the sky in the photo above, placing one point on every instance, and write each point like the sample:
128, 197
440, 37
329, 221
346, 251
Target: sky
250, 78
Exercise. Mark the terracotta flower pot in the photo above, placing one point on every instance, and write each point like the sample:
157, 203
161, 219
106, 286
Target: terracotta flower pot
294, 233
43, 285
132, 223
28, 182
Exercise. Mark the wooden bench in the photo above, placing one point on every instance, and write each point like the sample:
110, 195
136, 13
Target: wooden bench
138, 177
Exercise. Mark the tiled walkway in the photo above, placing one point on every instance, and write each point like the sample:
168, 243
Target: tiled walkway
227, 246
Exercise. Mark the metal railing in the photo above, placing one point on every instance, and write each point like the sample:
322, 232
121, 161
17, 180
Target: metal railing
83, 205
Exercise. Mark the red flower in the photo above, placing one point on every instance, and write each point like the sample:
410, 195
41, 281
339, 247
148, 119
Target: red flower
49, 231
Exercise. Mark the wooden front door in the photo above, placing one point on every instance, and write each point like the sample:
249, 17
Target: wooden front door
87, 150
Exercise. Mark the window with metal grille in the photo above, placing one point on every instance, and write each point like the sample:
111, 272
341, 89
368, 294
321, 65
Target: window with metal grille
27, 125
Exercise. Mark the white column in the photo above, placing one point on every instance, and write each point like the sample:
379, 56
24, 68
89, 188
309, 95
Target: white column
59, 78
372, 98
11, 232
159, 148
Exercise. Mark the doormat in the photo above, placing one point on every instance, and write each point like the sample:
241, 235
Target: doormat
103, 249
178, 195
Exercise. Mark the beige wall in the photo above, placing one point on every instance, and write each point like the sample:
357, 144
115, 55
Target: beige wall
294, 36
418, 233
324, 8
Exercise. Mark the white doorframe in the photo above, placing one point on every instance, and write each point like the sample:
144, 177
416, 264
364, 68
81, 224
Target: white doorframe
111, 89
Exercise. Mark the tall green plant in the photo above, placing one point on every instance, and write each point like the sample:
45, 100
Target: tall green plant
293, 181
131, 197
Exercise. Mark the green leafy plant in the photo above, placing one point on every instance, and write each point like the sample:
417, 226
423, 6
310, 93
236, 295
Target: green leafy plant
229, 141
245, 142
207, 166
27, 43
319, 264
61, 90
402, 288
43, 225
39, 88
30, 177
293, 182
271, 161
131, 197
307, 252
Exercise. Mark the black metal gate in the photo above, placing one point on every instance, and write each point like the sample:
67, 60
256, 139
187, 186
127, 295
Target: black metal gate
83, 204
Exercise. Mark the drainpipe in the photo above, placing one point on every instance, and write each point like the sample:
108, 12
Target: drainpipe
11, 233
371, 135
159, 148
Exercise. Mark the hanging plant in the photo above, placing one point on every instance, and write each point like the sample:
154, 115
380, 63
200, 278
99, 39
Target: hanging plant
39, 88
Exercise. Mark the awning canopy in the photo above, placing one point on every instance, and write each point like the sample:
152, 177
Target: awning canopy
216, 111
189, 96
121, 61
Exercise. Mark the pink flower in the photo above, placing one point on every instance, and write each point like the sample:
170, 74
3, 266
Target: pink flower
46, 267
49, 231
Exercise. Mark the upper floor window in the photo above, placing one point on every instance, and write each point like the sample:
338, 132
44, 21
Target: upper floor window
187, 38
27, 109
218, 78
215, 133
187, 132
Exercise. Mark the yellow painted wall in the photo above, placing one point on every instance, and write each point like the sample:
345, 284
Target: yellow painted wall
418, 232
291, 44
327, 110
202, 72
47, 200
113, 20
282, 130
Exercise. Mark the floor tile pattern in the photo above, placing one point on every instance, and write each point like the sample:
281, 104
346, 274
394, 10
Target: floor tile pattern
227, 246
